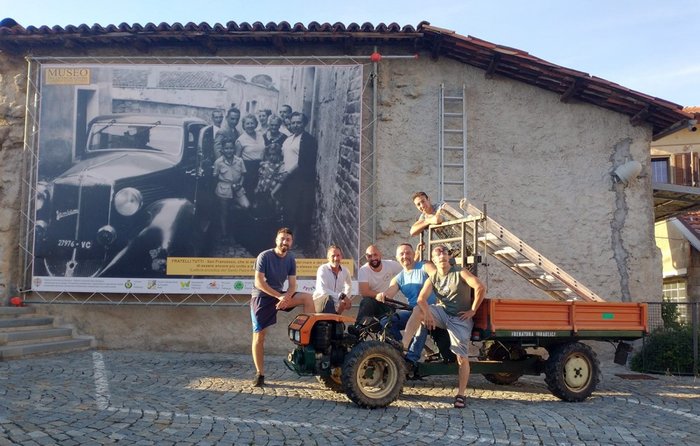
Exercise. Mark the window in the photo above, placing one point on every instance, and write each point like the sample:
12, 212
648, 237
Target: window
675, 290
659, 170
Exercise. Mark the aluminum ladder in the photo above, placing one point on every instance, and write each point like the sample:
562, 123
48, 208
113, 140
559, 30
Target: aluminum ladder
500, 243
452, 147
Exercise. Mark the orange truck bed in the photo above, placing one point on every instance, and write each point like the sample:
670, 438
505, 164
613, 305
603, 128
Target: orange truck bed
509, 318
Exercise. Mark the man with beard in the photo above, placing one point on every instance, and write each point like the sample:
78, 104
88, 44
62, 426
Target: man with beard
272, 268
374, 277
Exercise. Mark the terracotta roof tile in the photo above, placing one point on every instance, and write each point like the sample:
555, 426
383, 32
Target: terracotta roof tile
691, 220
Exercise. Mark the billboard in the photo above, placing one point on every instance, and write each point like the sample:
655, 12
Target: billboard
172, 178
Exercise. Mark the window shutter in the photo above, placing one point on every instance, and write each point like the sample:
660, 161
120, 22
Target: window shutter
683, 174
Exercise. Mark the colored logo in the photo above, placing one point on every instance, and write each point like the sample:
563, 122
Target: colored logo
128, 284
151, 284
184, 284
238, 285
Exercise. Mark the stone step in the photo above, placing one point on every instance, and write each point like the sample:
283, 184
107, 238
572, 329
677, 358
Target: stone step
10, 312
32, 336
24, 323
44, 348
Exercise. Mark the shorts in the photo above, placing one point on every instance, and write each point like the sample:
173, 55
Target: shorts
324, 304
460, 331
263, 311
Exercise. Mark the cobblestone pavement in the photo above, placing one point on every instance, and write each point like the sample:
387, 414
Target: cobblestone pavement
149, 398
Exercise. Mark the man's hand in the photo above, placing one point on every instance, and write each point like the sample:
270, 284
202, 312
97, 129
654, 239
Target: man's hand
284, 301
466, 315
343, 305
380, 297
428, 319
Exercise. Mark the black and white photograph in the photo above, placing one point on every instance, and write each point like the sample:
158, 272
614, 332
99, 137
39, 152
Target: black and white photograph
141, 163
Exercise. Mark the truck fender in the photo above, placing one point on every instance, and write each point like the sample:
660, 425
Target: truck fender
168, 232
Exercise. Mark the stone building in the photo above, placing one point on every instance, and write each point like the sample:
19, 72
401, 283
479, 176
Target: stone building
542, 143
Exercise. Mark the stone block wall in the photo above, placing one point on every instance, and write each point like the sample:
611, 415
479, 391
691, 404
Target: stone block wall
13, 86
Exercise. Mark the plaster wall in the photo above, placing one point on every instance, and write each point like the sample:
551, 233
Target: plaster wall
542, 166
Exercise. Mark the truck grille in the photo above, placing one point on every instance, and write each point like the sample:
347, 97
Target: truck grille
78, 213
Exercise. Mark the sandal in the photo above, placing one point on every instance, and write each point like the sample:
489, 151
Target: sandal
460, 402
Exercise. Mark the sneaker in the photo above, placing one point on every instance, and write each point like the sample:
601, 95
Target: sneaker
259, 380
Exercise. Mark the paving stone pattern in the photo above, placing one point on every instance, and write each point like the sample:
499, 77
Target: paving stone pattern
150, 398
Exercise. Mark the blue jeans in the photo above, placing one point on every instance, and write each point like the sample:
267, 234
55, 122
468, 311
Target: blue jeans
398, 323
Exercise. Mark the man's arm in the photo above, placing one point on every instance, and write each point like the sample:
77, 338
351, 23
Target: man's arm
423, 223
418, 227
479, 292
365, 290
390, 292
261, 284
347, 286
292, 285
422, 302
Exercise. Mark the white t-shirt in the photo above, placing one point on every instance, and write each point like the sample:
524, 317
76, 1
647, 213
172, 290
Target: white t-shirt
379, 281
290, 151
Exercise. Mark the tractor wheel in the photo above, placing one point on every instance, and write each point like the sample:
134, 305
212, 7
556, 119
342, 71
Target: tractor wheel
373, 374
333, 381
572, 371
499, 352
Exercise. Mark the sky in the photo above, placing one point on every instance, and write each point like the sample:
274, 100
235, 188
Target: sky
649, 46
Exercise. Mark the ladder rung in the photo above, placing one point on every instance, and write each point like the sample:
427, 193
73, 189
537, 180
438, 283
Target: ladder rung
453, 114
453, 183
453, 97
454, 148
506, 250
452, 130
562, 288
524, 265
453, 165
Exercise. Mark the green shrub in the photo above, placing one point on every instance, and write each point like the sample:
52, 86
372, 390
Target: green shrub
670, 314
666, 351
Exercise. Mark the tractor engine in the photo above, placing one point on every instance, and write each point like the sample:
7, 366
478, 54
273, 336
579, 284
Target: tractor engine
321, 343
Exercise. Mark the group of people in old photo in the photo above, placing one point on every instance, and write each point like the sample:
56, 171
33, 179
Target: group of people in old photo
259, 165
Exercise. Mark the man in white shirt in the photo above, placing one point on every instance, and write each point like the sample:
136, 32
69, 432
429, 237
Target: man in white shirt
374, 277
333, 284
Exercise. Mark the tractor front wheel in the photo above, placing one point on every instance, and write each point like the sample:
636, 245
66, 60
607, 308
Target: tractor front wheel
373, 374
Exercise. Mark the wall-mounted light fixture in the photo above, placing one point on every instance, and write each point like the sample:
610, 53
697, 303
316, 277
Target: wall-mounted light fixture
625, 173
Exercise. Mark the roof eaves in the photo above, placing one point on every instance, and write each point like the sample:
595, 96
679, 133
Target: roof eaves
520, 65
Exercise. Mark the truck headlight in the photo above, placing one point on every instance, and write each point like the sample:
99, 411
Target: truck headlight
128, 201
